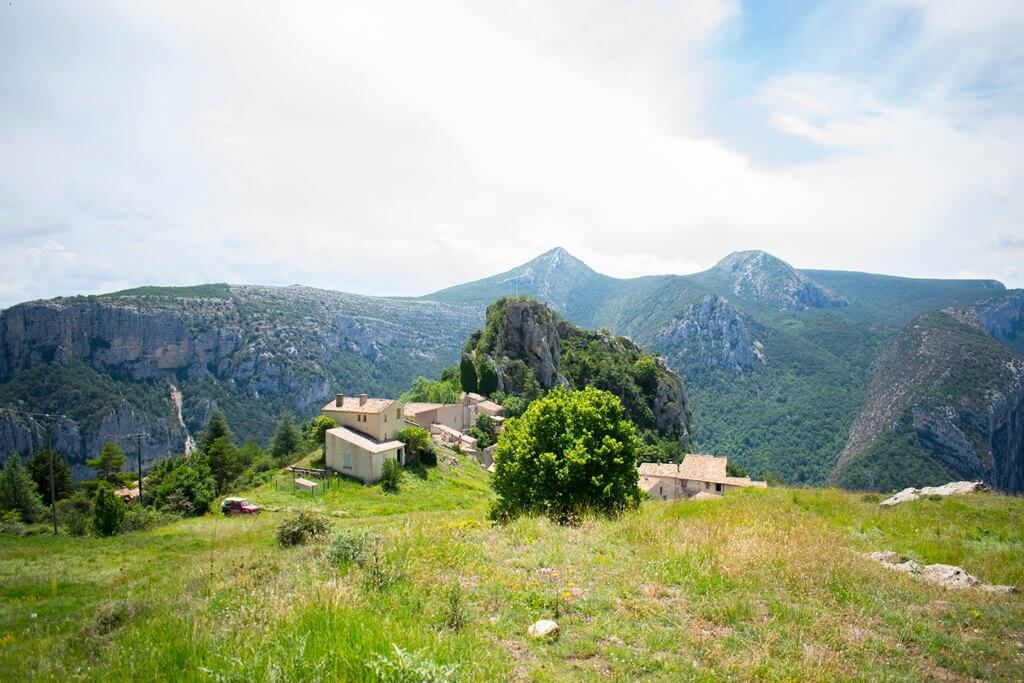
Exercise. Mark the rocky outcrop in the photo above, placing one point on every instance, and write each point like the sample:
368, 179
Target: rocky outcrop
1003, 316
953, 488
711, 332
528, 331
956, 392
769, 281
944, 575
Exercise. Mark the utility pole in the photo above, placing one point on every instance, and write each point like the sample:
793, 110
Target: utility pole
138, 454
53, 491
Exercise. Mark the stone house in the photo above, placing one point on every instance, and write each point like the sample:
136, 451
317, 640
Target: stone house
364, 437
704, 474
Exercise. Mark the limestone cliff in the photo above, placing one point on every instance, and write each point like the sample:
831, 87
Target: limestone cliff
526, 333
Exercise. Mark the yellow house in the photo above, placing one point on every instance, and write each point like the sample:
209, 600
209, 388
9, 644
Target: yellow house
364, 437
704, 474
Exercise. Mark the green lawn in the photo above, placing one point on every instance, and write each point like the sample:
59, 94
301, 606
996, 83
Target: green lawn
763, 584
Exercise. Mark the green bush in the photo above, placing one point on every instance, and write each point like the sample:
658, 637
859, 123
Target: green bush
349, 545
299, 528
139, 518
390, 476
75, 514
418, 446
11, 524
182, 486
571, 451
108, 513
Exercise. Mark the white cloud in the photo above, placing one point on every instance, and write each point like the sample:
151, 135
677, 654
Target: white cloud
399, 147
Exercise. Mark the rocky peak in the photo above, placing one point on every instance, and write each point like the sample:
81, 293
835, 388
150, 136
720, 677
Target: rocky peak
770, 281
710, 332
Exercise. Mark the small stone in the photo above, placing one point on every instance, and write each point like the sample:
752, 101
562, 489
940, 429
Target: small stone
543, 628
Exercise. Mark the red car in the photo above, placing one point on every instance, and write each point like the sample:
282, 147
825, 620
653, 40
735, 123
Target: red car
239, 506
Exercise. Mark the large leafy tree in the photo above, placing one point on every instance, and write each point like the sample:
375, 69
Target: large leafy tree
39, 467
287, 438
108, 463
217, 427
182, 485
467, 374
18, 491
318, 431
418, 445
571, 451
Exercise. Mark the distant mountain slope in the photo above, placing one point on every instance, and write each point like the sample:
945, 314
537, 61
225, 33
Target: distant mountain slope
253, 351
776, 360
946, 401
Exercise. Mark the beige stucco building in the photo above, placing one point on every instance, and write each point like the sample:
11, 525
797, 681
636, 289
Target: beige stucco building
705, 474
364, 437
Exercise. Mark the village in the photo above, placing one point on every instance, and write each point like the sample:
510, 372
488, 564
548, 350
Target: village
367, 429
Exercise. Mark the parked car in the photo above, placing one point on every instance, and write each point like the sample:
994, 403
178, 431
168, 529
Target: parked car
239, 506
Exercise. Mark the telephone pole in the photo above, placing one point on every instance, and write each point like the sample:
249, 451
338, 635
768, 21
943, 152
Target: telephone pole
138, 455
53, 490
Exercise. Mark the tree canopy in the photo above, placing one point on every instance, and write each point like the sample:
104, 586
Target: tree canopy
108, 464
18, 491
571, 451
467, 374
287, 438
217, 427
39, 467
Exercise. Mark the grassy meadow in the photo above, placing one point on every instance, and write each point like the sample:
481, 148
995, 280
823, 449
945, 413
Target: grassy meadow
759, 585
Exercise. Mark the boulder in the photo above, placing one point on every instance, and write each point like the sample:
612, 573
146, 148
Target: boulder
945, 575
543, 628
950, 489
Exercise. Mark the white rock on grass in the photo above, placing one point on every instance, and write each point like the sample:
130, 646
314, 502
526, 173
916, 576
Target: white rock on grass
945, 575
543, 628
950, 489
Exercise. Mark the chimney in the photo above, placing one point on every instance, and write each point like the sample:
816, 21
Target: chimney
362, 399
339, 400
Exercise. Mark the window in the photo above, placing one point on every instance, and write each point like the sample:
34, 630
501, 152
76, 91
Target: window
718, 487
398, 414
346, 463
707, 485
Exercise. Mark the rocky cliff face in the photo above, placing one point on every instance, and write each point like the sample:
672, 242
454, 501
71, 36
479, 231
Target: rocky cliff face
559, 353
710, 332
254, 351
954, 394
771, 282
1003, 317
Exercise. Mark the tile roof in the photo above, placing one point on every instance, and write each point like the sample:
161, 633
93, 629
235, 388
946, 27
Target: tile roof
364, 442
708, 468
417, 408
350, 404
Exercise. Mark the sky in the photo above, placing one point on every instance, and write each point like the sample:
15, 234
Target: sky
396, 148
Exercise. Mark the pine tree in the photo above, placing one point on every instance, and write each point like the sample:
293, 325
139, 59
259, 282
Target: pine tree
287, 439
217, 427
107, 513
467, 374
108, 463
18, 491
39, 467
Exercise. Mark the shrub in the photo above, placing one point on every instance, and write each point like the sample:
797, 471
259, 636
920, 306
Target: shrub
75, 514
380, 573
455, 614
570, 451
182, 486
418, 446
411, 667
139, 518
390, 476
302, 527
107, 513
11, 524
349, 546
18, 492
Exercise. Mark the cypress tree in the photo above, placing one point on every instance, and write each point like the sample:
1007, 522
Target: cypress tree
488, 379
467, 374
